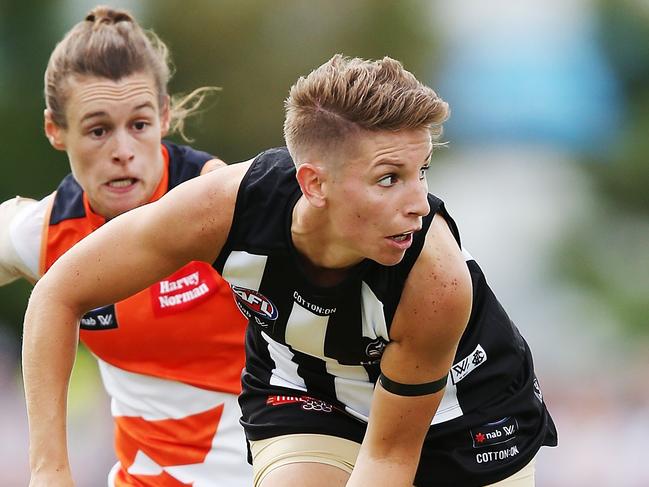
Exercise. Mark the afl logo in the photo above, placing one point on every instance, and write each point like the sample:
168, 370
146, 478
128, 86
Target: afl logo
255, 306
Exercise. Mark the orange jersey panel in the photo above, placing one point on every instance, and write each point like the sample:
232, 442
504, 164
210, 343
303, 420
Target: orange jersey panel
185, 327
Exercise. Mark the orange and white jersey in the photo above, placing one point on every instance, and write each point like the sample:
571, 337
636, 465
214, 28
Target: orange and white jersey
170, 356
168, 433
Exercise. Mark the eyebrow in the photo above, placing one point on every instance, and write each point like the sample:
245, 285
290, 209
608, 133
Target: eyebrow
391, 162
101, 113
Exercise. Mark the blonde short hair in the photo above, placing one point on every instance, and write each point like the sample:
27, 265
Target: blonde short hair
345, 96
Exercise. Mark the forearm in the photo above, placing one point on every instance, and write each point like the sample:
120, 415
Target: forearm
382, 472
395, 434
49, 349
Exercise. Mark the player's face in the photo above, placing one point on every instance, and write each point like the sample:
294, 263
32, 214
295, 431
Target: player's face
113, 140
379, 193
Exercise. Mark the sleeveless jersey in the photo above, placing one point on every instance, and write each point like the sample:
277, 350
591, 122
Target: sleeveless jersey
319, 348
170, 356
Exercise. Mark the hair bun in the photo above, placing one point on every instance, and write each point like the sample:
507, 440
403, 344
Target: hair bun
106, 15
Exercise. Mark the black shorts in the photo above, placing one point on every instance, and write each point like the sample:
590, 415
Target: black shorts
476, 449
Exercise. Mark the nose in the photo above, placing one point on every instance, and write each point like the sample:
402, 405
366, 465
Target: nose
417, 200
122, 150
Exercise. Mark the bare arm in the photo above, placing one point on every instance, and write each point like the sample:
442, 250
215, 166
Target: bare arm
431, 317
127, 254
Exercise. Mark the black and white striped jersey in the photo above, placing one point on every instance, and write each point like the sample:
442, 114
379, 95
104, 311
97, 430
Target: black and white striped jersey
327, 342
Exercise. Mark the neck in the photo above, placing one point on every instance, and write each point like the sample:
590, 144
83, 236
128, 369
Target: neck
325, 262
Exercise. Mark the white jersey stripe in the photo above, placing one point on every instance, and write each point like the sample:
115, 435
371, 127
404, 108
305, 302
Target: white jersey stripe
306, 331
467, 255
284, 373
353, 388
372, 314
449, 408
244, 269
152, 398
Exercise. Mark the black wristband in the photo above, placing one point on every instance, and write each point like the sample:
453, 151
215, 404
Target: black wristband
412, 389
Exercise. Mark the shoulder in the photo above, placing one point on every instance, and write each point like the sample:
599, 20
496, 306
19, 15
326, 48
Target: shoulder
186, 154
198, 213
185, 162
437, 295
21, 230
271, 171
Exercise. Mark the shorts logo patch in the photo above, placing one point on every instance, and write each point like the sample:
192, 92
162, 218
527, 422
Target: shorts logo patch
500, 431
103, 318
307, 403
255, 306
184, 289
468, 364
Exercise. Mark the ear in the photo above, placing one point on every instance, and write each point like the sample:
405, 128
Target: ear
311, 178
54, 133
165, 116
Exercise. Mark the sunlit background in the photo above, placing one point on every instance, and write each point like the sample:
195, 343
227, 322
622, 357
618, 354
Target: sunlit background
545, 171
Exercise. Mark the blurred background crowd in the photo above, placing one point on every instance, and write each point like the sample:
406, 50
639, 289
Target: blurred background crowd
545, 171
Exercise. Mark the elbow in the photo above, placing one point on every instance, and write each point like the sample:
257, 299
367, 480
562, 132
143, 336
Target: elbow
50, 304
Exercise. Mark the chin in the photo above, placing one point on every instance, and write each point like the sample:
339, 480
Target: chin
390, 260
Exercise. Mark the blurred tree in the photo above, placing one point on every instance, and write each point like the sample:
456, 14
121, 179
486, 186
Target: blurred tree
256, 50
624, 27
608, 253
30, 167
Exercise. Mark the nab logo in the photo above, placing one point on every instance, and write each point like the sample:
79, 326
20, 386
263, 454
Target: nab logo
500, 431
103, 318
255, 306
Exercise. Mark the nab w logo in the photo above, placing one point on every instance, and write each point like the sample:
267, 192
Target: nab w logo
509, 430
103, 318
255, 306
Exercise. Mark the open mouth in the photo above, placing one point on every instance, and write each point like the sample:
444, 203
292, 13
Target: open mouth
402, 237
121, 183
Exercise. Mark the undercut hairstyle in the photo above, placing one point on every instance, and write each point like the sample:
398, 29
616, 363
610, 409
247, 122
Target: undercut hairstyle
346, 96
110, 44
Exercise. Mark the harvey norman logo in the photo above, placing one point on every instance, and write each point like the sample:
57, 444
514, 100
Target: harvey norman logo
183, 289
186, 289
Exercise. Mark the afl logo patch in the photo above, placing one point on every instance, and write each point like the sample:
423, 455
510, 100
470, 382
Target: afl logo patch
255, 306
